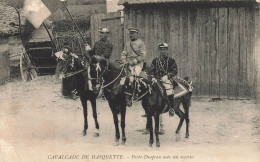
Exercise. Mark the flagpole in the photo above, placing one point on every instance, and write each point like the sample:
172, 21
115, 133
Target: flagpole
63, 2
50, 36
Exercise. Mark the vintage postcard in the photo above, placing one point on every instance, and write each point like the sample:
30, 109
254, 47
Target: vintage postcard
129, 81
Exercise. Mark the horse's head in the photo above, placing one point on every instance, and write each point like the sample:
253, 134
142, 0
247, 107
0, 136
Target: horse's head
68, 62
97, 68
135, 89
129, 90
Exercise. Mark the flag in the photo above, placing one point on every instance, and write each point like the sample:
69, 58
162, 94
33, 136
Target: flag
36, 12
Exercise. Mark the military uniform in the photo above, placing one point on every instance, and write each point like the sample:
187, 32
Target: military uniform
103, 48
164, 68
134, 54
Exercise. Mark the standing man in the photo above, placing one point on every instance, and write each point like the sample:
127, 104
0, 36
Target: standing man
103, 47
165, 68
134, 53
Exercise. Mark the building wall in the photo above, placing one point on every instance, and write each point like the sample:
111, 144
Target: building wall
257, 51
212, 45
4, 60
112, 21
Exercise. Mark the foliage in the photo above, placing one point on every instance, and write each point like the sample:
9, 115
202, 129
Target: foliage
68, 25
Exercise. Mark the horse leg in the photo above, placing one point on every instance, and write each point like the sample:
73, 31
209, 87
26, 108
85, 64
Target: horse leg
150, 125
85, 113
186, 106
181, 116
116, 127
114, 110
156, 131
123, 113
161, 125
94, 113
146, 130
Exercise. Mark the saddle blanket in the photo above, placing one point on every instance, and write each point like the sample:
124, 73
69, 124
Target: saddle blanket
180, 90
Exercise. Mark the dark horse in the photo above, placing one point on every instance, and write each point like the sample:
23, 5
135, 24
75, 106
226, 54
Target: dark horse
112, 74
154, 103
75, 77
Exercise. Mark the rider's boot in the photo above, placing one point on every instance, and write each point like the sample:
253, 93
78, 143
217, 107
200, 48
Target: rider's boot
171, 100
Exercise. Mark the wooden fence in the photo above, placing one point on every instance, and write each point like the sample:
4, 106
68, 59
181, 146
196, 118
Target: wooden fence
215, 46
112, 21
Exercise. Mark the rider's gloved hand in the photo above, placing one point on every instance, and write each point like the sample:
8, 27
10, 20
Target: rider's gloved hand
130, 63
87, 47
171, 75
154, 80
64, 57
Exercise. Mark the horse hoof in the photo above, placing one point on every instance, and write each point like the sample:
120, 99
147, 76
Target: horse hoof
116, 143
158, 145
84, 133
145, 131
96, 134
162, 132
187, 136
123, 141
150, 145
177, 137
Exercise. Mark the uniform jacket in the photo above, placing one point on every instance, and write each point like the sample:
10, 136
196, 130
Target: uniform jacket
103, 48
129, 55
164, 66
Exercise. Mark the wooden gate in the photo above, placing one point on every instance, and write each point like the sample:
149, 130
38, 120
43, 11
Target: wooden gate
112, 21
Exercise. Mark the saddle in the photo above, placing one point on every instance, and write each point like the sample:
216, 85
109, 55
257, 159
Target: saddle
180, 87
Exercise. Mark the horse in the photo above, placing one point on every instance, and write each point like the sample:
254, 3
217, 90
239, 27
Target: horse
152, 95
73, 71
110, 75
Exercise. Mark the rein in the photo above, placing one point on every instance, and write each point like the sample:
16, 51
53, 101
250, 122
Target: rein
139, 98
67, 75
115, 78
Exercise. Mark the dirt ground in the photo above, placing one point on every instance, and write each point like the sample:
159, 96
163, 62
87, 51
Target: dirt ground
38, 124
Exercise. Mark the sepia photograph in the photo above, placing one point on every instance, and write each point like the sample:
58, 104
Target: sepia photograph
129, 80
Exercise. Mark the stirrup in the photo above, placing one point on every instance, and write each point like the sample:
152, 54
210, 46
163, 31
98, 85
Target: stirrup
171, 112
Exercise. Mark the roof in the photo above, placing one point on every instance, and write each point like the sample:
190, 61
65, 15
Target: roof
123, 2
8, 20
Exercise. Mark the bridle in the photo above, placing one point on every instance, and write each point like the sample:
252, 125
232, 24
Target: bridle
100, 79
140, 97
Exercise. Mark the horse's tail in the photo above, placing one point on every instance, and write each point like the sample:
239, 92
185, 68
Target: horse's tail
190, 99
189, 85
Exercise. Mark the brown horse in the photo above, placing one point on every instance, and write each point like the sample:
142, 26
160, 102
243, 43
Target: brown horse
110, 75
154, 103
72, 69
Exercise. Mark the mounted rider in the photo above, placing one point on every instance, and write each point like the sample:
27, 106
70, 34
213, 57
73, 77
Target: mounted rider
164, 68
134, 53
102, 47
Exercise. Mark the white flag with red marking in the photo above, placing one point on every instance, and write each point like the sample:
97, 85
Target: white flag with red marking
36, 12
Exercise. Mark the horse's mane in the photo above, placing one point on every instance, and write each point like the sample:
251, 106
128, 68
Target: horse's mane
114, 66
